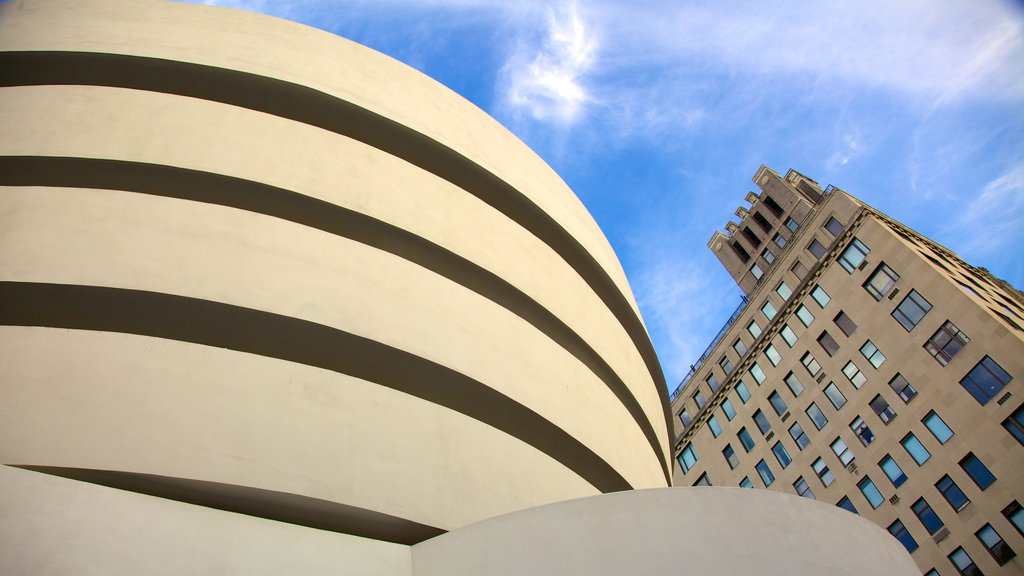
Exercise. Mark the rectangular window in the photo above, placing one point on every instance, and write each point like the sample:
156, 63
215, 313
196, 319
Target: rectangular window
916, 450
726, 365
741, 390
978, 472
687, 458
754, 329
842, 451
927, 516
788, 335
791, 224
899, 531
794, 385
783, 291
828, 343
757, 373
963, 563
947, 341
816, 416
985, 380
703, 480
798, 269
854, 375
995, 544
768, 256
810, 363
712, 381
685, 418
900, 385
882, 409
762, 221
745, 440
762, 422
834, 227
745, 483
802, 488
768, 310
739, 347
773, 355
816, 248
698, 399
729, 411
853, 256
845, 323
846, 504
779, 241
756, 272
911, 310
778, 404
1015, 514
714, 426
772, 205
892, 471
730, 456
937, 427
952, 493
804, 315
881, 281
872, 353
781, 455
824, 474
863, 432
870, 492
835, 396
1015, 424
797, 433
765, 473
820, 296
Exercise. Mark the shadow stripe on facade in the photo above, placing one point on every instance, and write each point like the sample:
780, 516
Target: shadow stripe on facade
276, 336
310, 106
194, 185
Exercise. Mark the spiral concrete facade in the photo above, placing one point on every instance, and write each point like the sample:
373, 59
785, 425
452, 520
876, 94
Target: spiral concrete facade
253, 267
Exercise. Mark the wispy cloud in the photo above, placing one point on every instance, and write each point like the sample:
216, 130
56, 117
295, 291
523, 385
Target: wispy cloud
993, 221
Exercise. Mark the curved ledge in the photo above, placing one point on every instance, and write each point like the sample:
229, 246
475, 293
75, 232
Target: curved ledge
276, 336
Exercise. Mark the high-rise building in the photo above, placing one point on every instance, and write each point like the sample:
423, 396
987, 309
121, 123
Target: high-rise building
867, 367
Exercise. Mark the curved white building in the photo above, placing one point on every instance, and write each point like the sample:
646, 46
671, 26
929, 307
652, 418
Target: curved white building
249, 266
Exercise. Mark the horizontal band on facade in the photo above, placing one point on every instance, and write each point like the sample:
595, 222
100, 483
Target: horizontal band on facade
198, 186
310, 106
283, 337
269, 504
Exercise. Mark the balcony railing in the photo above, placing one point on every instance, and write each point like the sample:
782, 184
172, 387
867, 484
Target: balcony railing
725, 327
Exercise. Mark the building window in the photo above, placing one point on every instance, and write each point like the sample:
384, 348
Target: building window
778, 404
882, 409
824, 474
937, 427
757, 373
817, 416
772, 205
804, 315
1015, 514
892, 471
756, 272
842, 451
853, 256
798, 269
768, 256
978, 472
739, 347
703, 480
946, 342
730, 456
1015, 424
916, 450
779, 241
781, 455
729, 411
745, 483
745, 440
931, 521
726, 365
845, 323
846, 504
963, 563
828, 343
712, 381
713, 425
820, 296
835, 396
740, 251
765, 473
791, 224
870, 492
796, 387
872, 353
932, 572
881, 281
788, 335
762, 222
995, 544
810, 363
816, 248
754, 239
685, 418
899, 531
773, 355
741, 390
698, 399
762, 422
952, 493
900, 385
783, 291
854, 375
863, 432
797, 433
687, 458
985, 380
911, 310
834, 227
802, 488
754, 329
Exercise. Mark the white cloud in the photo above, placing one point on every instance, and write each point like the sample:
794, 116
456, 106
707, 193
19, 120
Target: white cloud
994, 220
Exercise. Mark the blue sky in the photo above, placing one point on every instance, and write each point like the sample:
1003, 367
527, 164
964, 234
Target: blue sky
657, 114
